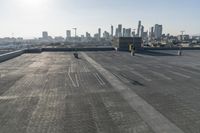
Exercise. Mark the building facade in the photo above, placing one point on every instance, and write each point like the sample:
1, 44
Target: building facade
158, 31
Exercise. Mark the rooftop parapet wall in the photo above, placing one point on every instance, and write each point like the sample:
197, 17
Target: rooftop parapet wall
11, 55
14, 54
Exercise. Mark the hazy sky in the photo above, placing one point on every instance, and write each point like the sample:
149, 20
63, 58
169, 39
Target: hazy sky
28, 18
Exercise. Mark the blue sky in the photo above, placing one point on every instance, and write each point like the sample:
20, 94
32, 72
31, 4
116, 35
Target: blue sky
28, 18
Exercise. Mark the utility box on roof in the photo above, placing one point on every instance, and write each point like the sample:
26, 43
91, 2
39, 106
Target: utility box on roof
137, 42
123, 43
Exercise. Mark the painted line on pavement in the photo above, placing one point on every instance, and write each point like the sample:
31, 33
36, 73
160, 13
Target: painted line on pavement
160, 75
180, 74
77, 83
101, 82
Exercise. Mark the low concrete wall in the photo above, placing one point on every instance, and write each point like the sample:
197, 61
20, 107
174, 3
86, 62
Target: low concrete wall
175, 48
14, 54
11, 55
77, 49
33, 50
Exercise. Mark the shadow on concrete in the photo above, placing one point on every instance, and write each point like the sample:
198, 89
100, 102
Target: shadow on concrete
156, 53
132, 81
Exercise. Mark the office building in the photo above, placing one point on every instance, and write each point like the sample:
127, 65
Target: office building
45, 35
59, 39
112, 31
158, 31
124, 32
145, 36
88, 35
133, 34
141, 31
139, 28
119, 30
151, 33
96, 36
99, 33
116, 32
183, 37
68, 33
127, 32
106, 35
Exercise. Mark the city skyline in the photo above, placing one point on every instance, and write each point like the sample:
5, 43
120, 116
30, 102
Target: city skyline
28, 18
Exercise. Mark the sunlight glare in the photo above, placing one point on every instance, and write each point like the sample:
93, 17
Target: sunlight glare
32, 3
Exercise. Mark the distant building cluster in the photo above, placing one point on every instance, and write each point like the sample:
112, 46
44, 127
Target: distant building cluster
154, 37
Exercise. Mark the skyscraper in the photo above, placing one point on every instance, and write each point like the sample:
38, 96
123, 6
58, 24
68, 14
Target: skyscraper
112, 30
45, 35
139, 28
68, 33
99, 32
151, 33
158, 31
88, 35
133, 33
116, 33
119, 30
106, 35
128, 32
124, 32
141, 31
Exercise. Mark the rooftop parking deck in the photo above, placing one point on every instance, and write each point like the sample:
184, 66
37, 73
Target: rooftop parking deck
102, 92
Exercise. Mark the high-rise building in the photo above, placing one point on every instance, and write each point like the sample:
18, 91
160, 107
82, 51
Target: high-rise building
124, 32
106, 35
116, 33
141, 31
45, 35
99, 32
139, 28
88, 35
68, 33
128, 32
112, 31
119, 30
133, 34
151, 33
145, 36
158, 31
96, 36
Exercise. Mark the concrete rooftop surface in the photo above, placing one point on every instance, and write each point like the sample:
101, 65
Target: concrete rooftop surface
102, 92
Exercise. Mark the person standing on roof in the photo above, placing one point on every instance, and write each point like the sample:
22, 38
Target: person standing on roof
180, 51
133, 50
